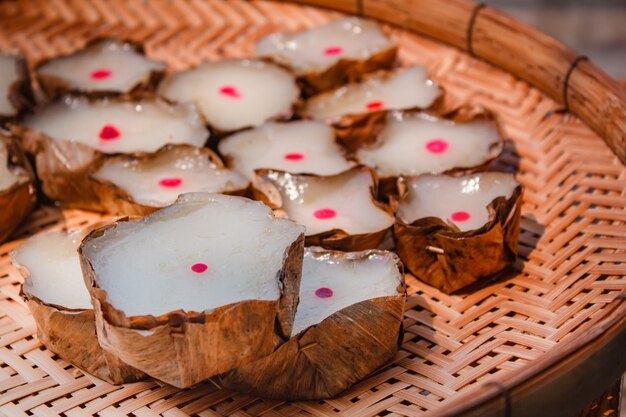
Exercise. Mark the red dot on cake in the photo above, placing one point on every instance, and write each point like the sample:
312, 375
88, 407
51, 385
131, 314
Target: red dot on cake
230, 91
109, 132
374, 105
324, 292
324, 213
170, 182
333, 50
101, 74
294, 156
460, 216
437, 146
199, 268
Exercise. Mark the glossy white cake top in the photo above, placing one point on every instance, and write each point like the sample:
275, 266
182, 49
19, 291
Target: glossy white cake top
9, 74
419, 144
405, 89
112, 126
298, 147
320, 47
324, 203
235, 94
206, 251
462, 200
54, 272
108, 65
161, 180
333, 281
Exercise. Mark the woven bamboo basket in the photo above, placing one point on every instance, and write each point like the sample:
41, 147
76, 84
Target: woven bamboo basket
545, 339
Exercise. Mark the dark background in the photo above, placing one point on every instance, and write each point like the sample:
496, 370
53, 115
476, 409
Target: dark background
596, 28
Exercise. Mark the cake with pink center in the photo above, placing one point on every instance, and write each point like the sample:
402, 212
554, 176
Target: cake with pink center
357, 111
327, 56
416, 143
348, 324
102, 67
338, 211
195, 289
119, 126
235, 94
303, 146
140, 184
454, 231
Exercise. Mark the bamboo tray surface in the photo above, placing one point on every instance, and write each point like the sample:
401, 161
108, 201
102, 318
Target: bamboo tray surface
573, 242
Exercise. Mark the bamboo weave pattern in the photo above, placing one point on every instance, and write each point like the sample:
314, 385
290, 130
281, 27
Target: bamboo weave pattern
572, 245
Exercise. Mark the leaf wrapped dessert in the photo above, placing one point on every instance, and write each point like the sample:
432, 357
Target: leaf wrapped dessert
235, 94
60, 304
102, 67
465, 140
331, 55
15, 91
452, 231
73, 135
357, 111
141, 184
304, 147
338, 211
17, 186
348, 324
196, 289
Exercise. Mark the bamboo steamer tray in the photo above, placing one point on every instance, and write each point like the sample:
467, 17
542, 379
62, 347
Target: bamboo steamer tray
545, 339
